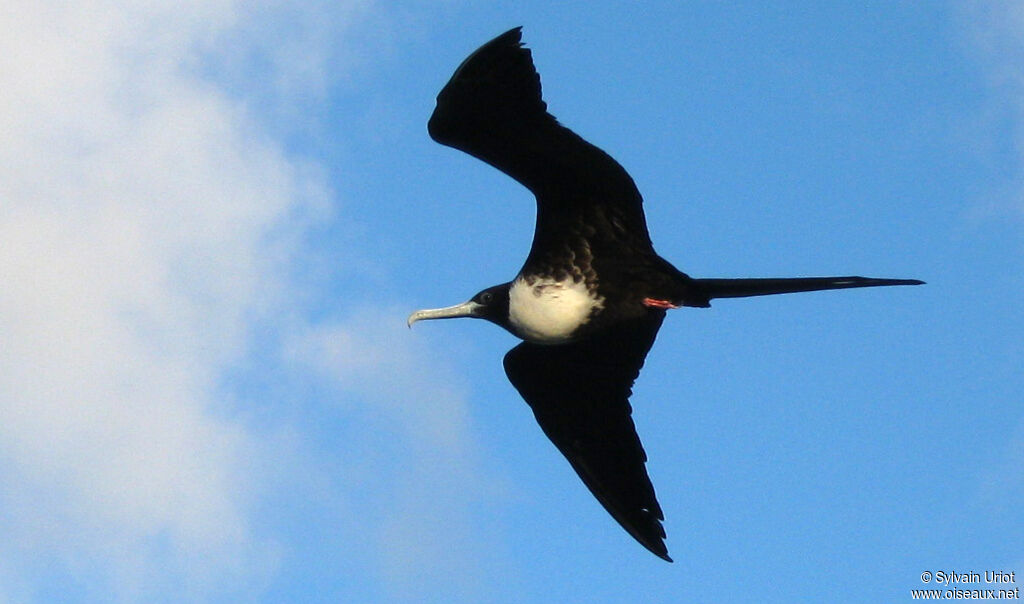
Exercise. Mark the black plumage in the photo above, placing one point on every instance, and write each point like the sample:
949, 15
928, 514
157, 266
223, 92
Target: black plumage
579, 393
592, 292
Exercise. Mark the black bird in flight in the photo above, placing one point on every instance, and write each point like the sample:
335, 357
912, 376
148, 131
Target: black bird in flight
592, 293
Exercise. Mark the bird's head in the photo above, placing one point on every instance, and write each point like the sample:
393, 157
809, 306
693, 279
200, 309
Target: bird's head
490, 304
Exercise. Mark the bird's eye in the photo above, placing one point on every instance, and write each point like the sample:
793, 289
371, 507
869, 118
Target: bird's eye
486, 298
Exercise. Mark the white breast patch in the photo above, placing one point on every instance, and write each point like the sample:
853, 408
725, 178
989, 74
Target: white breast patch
547, 311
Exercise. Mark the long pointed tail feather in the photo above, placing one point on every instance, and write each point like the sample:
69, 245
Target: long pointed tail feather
740, 288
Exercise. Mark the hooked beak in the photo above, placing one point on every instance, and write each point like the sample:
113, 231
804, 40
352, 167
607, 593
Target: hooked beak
466, 309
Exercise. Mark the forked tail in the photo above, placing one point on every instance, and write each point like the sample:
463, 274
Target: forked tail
741, 288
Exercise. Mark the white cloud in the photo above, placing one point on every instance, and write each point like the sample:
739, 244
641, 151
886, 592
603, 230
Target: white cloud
142, 222
424, 515
147, 223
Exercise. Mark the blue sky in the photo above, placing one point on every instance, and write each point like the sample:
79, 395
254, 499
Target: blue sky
216, 216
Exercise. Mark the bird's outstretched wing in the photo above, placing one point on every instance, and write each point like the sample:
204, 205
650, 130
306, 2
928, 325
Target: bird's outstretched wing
492, 109
579, 393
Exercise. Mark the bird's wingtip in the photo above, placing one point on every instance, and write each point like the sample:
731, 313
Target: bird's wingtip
656, 547
512, 37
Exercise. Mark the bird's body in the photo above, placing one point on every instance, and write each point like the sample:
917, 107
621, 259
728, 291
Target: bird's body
592, 292
551, 311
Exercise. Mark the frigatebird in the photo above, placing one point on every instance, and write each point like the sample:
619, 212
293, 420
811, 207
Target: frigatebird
592, 293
